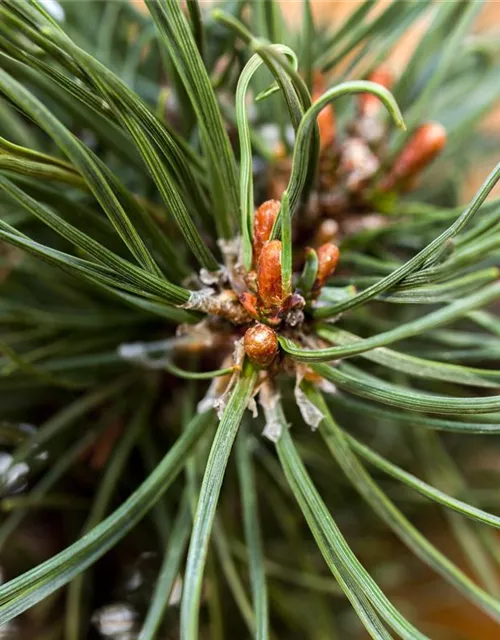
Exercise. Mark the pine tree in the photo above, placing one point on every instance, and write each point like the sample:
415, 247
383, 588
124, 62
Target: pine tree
251, 317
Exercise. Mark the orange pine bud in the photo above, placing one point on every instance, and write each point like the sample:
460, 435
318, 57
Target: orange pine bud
269, 274
261, 344
420, 150
369, 104
328, 257
326, 117
263, 225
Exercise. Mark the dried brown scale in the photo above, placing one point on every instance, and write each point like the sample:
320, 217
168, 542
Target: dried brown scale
225, 304
250, 302
210, 340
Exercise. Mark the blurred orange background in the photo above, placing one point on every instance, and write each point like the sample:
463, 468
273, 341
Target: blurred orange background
489, 18
325, 10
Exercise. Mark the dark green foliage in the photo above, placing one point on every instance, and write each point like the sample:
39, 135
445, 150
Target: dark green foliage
129, 161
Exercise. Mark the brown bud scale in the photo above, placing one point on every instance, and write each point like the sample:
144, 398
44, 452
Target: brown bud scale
263, 225
261, 344
249, 301
269, 274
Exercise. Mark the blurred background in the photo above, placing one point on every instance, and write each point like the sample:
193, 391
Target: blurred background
437, 603
336, 10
